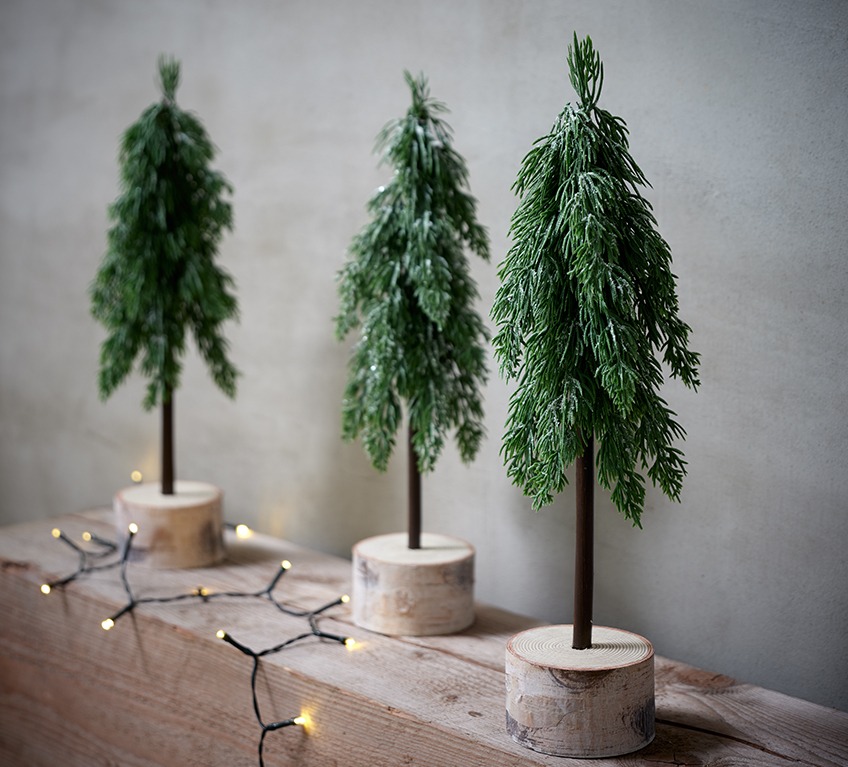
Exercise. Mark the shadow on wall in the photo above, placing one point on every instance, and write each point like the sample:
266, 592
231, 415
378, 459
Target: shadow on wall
331, 496
359, 501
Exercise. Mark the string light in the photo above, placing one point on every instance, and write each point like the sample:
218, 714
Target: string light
243, 531
105, 548
87, 557
136, 476
255, 656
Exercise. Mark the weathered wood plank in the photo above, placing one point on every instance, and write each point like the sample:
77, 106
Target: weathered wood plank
160, 689
778, 726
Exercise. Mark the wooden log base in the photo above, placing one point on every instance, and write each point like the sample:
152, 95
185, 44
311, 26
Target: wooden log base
400, 591
591, 703
174, 531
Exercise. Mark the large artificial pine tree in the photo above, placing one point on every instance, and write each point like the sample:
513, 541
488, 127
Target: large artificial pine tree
407, 284
586, 304
158, 277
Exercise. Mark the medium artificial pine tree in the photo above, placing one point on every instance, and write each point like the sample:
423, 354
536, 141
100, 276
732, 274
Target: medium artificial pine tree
158, 277
407, 284
587, 301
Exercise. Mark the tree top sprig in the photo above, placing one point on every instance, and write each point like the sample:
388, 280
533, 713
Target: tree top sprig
169, 76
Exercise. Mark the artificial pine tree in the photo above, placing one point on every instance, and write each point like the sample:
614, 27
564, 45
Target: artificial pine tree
158, 278
586, 304
407, 286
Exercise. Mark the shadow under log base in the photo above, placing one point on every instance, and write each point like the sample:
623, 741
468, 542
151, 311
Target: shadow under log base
591, 703
182, 530
400, 591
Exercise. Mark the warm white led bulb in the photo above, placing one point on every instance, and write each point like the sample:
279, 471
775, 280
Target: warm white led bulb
243, 531
133, 528
107, 624
300, 720
56, 532
220, 633
136, 476
86, 536
344, 599
285, 564
350, 643
45, 588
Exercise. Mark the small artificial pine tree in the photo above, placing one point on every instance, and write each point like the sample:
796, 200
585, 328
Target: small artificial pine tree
586, 300
158, 277
408, 285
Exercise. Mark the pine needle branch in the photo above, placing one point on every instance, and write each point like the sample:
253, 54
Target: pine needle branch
586, 305
407, 287
158, 279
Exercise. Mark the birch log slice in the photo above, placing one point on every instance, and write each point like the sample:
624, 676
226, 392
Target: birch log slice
174, 531
400, 591
591, 703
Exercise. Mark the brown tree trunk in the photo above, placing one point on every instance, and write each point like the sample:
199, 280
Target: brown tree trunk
414, 482
584, 547
168, 443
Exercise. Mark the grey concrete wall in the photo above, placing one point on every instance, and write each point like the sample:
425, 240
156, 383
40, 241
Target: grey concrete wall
737, 113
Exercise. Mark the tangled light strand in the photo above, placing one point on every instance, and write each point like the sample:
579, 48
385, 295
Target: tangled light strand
86, 556
86, 565
301, 720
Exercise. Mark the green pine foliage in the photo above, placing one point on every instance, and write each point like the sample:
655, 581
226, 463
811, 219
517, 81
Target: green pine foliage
587, 303
158, 278
408, 287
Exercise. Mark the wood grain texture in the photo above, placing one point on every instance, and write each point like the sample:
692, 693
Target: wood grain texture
183, 530
400, 591
583, 703
160, 689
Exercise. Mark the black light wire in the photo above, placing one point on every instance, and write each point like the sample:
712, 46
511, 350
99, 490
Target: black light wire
105, 548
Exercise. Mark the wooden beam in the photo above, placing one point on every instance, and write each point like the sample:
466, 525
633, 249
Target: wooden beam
161, 689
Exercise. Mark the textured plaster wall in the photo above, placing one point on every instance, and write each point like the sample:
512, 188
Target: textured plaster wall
738, 116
